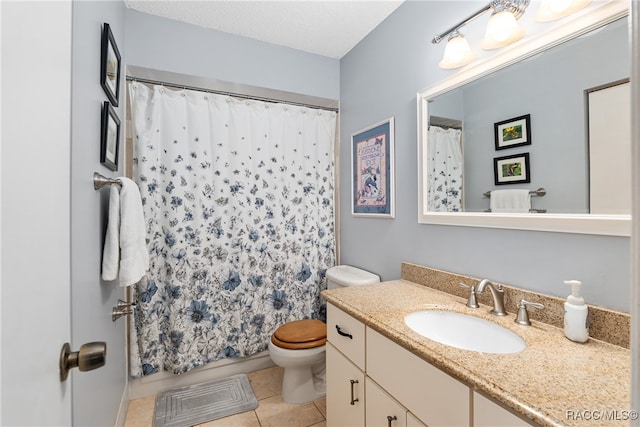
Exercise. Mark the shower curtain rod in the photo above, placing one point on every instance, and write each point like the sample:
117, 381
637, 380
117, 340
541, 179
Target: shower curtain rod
236, 95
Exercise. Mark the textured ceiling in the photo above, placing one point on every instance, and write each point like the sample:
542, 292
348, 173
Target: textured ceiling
327, 28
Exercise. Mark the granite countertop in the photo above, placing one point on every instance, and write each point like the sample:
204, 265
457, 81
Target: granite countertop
554, 381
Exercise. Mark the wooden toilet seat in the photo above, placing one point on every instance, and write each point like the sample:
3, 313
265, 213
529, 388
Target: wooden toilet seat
300, 334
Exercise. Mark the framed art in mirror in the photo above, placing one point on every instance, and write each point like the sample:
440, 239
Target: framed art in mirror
372, 171
110, 66
512, 169
514, 132
110, 137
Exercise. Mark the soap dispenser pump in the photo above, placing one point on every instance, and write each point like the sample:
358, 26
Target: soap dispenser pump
576, 317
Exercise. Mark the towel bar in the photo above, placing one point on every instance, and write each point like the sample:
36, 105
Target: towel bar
539, 192
100, 181
530, 210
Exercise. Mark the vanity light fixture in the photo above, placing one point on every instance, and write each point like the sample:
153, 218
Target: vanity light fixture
502, 30
550, 10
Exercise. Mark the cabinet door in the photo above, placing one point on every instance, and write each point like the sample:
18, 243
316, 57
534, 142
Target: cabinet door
489, 414
412, 421
381, 409
345, 391
435, 397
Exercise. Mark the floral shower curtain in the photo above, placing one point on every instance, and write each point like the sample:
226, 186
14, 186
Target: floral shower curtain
238, 197
444, 165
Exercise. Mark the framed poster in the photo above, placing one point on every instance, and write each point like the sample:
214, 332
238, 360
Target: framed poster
372, 171
109, 137
110, 66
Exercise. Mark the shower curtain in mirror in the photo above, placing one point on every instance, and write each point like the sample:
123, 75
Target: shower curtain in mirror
444, 170
238, 197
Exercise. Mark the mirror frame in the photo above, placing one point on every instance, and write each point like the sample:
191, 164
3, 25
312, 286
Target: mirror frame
613, 225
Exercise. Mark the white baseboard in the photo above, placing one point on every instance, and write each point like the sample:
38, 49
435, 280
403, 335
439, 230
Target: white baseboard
152, 384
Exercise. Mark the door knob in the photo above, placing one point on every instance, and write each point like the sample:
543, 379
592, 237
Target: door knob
91, 356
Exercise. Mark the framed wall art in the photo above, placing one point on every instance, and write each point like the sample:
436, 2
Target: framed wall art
513, 132
372, 171
110, 66
511, 169
110, 137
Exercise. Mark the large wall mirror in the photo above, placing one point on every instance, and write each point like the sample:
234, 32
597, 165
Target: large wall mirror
550, 116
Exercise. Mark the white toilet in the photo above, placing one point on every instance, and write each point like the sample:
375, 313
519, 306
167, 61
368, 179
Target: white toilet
299, 346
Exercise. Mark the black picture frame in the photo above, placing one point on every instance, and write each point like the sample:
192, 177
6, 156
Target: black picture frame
110, 66
514, 132
110, 137
513, 169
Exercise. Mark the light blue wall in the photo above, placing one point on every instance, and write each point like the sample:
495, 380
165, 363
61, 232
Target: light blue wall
96, 394
167, 45
379, 78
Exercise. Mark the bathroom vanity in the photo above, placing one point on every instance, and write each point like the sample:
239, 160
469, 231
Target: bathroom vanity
380, 372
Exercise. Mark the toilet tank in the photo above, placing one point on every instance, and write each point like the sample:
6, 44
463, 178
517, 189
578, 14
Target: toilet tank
346, 275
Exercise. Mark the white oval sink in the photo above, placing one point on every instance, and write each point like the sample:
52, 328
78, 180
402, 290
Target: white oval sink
464, 331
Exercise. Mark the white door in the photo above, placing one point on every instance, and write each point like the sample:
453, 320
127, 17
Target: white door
35, 211
610, 150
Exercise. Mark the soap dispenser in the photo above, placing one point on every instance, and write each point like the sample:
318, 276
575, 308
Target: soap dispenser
576, 318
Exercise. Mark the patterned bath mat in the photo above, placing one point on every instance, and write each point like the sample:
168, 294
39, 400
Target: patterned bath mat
197, 404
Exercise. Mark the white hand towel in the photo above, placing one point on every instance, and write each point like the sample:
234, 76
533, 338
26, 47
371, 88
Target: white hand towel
125, 255
510, 201
134, 257
111, 252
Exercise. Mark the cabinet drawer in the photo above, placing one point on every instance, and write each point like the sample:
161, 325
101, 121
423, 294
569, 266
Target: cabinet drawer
433, 396
346, 334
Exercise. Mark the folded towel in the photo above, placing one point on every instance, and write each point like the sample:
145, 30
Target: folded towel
125, 254
510, 201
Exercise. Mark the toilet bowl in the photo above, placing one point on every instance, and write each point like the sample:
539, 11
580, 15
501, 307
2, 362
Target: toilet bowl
299, 346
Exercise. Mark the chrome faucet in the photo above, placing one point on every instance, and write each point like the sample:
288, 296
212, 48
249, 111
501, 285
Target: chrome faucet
498, 296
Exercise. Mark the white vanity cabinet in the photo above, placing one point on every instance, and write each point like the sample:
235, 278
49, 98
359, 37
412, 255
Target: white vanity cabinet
345, 369
395, 382
489, 414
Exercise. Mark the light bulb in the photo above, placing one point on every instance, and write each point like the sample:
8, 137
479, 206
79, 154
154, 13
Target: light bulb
456, 53
502, 30
551, 10
559, 6
501, 25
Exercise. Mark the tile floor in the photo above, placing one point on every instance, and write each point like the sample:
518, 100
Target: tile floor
272, 411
